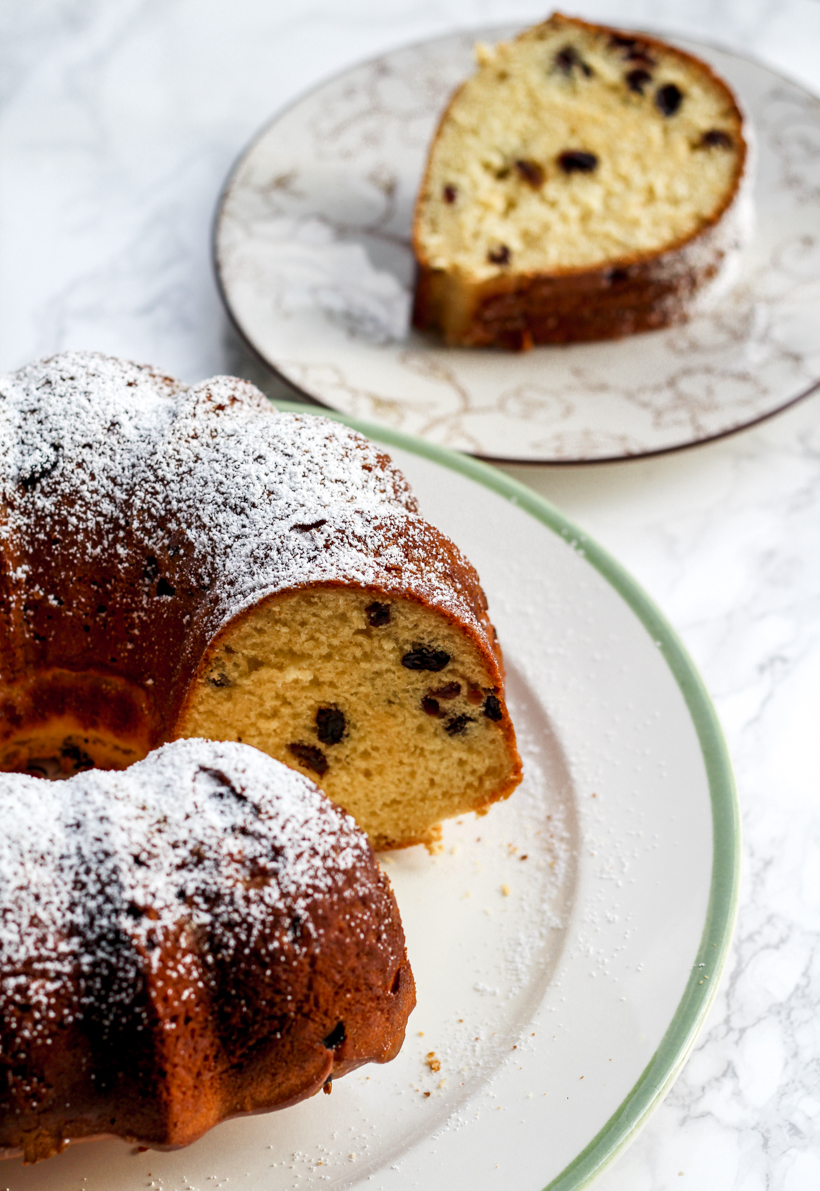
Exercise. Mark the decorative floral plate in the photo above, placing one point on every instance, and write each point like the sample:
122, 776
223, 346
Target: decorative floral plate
312, 248
566, 946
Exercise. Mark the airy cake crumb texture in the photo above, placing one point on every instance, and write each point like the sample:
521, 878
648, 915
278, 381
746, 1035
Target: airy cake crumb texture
572, 147
312, 679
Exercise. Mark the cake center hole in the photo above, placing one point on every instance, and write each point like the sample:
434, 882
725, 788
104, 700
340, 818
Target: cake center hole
58, 724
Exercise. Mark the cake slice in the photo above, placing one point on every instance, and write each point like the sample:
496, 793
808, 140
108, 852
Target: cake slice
585, 183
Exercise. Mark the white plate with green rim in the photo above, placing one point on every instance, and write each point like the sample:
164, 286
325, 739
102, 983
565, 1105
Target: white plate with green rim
313, 258
566, 946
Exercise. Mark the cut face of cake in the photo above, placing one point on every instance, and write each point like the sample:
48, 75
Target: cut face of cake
384, 703
582, 184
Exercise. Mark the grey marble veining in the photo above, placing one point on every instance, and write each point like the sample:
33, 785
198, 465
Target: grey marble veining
118, 122
725, 539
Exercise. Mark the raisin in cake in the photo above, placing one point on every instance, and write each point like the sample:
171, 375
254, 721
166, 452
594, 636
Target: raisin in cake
187, 561
585, 183
200, 936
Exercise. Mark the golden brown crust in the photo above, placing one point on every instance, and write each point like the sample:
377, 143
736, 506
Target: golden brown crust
519, 310
182, 1083
638, 292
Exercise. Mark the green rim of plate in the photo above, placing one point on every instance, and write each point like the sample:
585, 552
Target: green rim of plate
701, 988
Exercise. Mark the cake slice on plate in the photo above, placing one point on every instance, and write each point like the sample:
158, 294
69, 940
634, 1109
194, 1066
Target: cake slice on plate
585, 183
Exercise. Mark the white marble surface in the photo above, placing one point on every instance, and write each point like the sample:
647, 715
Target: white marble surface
118, 122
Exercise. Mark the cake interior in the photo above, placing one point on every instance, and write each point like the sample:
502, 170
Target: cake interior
572, 147
386, 705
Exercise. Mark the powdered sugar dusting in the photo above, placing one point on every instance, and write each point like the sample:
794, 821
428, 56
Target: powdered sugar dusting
104, 462
104, 875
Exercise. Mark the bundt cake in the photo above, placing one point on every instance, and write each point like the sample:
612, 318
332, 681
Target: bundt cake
187, 561
585, 183
200, 936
